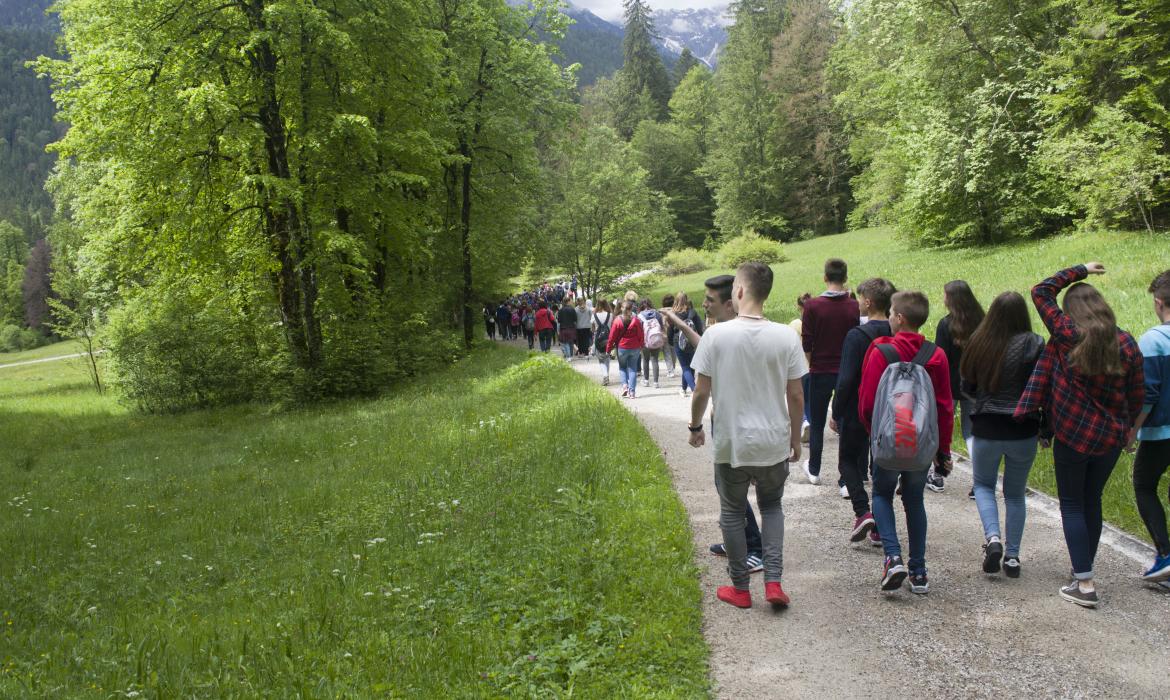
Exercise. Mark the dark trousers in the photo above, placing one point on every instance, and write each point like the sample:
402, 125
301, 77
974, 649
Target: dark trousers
546, 338
1080, 481
531, 337
1153, 457
820, 391
584, 336
853, 462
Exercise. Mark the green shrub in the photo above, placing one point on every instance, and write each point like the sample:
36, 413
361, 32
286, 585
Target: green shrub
684, 261
13, 338
179, 351
751, 247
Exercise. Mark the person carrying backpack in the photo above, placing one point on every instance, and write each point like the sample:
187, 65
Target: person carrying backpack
602, 319
1090, 380
544, 324
853, 451
905, 404
653, 340
1153, 452
528, 321
681, 316
626, 336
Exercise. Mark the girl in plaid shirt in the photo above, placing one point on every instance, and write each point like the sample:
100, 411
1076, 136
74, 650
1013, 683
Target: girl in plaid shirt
1089, 380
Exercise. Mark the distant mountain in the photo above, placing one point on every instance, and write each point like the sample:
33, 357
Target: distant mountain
594, 43
702, 31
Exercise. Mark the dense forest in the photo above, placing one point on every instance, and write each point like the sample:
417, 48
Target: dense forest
269, 198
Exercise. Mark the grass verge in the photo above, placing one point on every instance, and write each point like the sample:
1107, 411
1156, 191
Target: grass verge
1132, 258
502, 528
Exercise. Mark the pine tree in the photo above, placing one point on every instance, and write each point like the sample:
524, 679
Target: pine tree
686, 61
643, 83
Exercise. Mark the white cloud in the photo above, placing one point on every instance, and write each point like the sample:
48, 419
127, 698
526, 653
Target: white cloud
612, 9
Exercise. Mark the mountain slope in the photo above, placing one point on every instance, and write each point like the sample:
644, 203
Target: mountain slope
703, 31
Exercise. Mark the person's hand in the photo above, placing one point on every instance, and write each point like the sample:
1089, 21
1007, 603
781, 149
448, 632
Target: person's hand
1131, 441
1095, 268
794, 442
833, 426
1045, 443
698, 439
943, 464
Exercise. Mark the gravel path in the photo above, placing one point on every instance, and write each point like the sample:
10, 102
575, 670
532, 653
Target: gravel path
973, 635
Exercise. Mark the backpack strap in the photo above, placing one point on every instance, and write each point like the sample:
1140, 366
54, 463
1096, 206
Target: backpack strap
865, 330
889, 352
925, 353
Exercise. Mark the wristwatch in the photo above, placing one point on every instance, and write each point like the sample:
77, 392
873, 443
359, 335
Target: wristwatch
695, 429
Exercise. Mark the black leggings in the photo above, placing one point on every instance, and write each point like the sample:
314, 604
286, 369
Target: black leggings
1153, 457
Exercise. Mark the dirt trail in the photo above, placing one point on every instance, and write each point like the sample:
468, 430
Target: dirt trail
973, 635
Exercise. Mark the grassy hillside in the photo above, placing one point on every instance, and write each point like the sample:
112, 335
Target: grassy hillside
466, 536
1132, 259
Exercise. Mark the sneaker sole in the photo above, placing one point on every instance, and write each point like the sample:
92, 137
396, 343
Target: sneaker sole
894, 581
1158, 576
936, 489
920, 590
778, 603
861, 532
1078, 601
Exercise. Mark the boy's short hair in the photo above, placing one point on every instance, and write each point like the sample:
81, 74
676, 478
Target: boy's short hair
913, 306
879, 292
1160, 287
721, 285
836, 271
757, 279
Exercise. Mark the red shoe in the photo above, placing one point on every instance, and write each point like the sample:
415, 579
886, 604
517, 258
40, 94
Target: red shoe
775, 595
862, 526
874, 538
738, 598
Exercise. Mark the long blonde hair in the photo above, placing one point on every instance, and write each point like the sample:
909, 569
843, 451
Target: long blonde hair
1097, 351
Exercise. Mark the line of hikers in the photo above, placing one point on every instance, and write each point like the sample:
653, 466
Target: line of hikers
860, 365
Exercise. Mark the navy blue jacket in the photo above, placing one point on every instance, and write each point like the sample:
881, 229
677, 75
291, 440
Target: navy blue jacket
857, 342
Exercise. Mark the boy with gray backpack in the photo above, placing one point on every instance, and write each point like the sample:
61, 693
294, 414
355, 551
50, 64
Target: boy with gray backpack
905, 404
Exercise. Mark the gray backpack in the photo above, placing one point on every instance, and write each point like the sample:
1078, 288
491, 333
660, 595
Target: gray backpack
904, 432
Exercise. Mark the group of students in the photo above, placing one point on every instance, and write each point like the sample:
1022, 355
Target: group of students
863, 366
640, 332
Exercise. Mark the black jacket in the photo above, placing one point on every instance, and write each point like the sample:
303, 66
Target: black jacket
857, 342
1019, 359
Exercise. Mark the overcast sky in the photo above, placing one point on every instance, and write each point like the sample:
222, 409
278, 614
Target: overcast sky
612, 9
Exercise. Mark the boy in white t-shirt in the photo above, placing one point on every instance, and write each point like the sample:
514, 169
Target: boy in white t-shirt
753, 368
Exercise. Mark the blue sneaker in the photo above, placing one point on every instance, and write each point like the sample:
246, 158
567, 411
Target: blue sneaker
1160, 571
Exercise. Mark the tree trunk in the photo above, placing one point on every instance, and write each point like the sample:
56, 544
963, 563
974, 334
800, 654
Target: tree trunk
465, 233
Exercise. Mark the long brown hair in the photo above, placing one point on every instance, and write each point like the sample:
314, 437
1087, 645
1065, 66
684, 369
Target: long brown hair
681, 303
1097, 351
966, 313
982, 359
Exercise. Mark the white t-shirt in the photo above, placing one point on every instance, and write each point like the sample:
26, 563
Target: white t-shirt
750, 363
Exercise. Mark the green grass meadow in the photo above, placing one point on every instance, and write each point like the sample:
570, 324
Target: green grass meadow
503, 528
1132, 260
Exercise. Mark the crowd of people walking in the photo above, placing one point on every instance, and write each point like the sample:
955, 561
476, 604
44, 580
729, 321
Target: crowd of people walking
857, 362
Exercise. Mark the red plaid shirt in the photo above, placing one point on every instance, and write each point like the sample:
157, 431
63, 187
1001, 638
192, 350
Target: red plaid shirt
1091, 414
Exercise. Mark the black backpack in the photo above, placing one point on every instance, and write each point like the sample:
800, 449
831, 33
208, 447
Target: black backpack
602, 338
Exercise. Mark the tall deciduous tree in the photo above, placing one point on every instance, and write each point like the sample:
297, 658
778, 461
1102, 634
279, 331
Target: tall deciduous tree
672, 154
604, 218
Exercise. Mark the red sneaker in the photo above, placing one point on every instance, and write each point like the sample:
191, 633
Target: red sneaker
862, 526
738, 598
775, 595
874, 538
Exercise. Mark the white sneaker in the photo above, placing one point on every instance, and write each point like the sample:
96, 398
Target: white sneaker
844, 492
645, 382
813, 479
670, 374
656, 385
686, 393
804, 432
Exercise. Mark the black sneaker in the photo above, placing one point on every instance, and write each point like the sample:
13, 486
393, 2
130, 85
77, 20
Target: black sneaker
1011, 567
934, 482
718, 550
971, 493
992, 553
919, 584
1073, 593
893, 574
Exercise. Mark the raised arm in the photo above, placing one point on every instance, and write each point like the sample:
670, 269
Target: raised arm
1044, 297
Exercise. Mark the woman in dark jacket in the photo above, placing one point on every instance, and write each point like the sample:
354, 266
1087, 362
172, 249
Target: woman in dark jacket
996, 365
964, 315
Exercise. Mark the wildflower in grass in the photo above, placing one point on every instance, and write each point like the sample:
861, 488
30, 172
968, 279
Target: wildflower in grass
376, 540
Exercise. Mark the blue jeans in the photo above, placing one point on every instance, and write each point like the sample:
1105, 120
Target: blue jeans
1017, 456
688, 374
804, 388
1080, 481
628, 363
885, 481
820, 391
567, 350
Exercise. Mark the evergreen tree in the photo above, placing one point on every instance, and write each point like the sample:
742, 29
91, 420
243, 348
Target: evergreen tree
36, 287
643, 84
745, 165
686, 61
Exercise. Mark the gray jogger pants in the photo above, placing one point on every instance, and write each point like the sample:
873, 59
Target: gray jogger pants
733, 483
